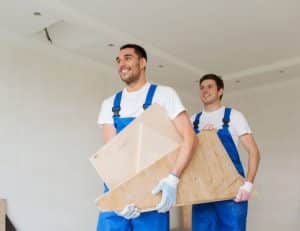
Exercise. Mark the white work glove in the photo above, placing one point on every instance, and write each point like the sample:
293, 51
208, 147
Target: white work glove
129, 212
168, 187
244, 192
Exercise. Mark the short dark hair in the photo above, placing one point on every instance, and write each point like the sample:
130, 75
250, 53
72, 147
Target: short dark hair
140, 51
218, 79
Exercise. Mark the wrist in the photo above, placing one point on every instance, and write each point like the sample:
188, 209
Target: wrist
247, 186
174, 174
173, 179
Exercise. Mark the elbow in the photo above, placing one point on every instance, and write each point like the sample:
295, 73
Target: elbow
193, 147
258, 156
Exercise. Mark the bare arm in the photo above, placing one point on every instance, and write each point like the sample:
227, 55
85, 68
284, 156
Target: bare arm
108, 131
253, 155
184, 126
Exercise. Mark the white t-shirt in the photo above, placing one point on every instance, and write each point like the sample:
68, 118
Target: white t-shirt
238, 124
132, 103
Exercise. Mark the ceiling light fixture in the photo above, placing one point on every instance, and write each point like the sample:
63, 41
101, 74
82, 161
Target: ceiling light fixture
36, 13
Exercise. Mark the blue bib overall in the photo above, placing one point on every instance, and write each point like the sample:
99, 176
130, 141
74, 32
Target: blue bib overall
147, 221
224, 215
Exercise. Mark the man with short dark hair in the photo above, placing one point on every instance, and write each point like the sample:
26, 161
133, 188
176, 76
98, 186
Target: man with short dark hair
121, 109
232, 128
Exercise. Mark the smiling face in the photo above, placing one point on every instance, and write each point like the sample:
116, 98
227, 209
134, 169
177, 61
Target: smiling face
209, 92
131, 67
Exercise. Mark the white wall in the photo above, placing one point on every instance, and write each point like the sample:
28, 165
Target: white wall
274, 112
50, 101
49, 105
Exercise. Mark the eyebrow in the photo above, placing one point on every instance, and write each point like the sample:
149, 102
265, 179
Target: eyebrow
210, 84
126, 55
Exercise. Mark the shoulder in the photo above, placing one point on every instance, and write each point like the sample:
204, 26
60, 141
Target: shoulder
105, 114
193, 117
108, 101
168, 98
239, 123
166, 89
236, 115
166, 94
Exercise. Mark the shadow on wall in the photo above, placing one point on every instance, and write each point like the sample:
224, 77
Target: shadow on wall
9, 225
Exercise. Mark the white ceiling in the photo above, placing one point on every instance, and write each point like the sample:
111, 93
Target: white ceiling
249, 43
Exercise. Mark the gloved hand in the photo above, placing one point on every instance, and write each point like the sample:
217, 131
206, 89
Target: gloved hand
168, 187
244, 192
129, 212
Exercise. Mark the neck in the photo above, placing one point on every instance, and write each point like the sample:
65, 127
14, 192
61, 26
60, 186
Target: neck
212, 107
135, 86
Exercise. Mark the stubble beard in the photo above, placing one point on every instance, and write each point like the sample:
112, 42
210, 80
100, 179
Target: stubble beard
131, 79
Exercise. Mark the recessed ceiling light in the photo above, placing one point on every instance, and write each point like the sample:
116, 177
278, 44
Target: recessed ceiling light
36, 13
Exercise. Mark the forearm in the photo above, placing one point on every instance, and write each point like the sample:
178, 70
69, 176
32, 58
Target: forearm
244, 191
253, 163
185, 154
108, 132
253, 155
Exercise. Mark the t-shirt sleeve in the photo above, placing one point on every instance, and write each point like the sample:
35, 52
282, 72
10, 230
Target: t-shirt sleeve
173, 103
105, 114
240, 123
192, 118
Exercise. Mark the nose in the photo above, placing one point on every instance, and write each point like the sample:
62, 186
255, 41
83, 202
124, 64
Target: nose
119, 61
120, 65
203, 89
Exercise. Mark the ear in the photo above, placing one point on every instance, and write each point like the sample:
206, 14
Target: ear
220, 92
143, 63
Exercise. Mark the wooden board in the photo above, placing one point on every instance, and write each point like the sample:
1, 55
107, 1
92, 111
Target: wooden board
186, 212
210, 176
136, 147
2, 214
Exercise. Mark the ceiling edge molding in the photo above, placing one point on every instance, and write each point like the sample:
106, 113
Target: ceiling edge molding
279, 65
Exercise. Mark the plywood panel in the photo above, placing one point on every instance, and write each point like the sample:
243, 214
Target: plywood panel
187, 218
145, 140
2, 214
210, 176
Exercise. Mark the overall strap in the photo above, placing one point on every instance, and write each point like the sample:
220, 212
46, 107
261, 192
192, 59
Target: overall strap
197, 122
226, 118
149, 96
117, 104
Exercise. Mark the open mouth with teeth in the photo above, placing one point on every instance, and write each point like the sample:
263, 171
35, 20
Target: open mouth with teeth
124, 71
